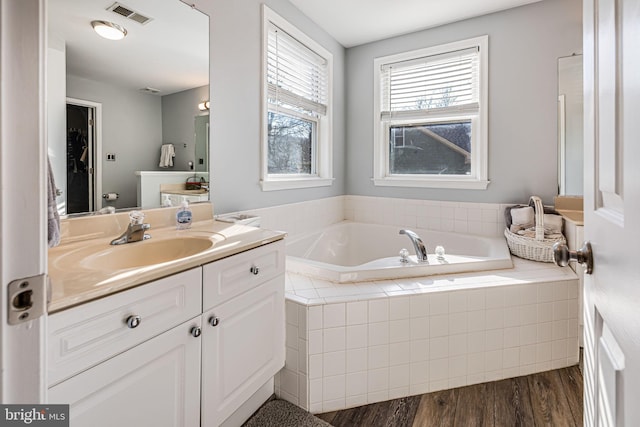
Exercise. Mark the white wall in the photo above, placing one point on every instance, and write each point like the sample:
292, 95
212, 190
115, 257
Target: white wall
57, 116
178, 123
570, 85
131, 128
235, 104
524, 44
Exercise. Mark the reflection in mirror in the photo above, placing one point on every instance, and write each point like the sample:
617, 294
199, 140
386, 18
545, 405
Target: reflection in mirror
113, 104
570, 113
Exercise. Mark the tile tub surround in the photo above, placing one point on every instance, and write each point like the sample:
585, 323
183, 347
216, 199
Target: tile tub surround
484, 219
354, 344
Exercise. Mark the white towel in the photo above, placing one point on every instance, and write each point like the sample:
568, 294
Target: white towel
552, 224
522, 216
167, 153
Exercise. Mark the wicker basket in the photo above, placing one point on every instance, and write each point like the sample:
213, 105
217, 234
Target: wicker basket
535, 249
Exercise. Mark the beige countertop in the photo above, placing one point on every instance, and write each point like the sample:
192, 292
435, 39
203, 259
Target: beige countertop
576, 217
75, 282
571, 208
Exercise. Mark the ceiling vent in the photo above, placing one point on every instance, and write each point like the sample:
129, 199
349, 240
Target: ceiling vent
151, 90
129, 13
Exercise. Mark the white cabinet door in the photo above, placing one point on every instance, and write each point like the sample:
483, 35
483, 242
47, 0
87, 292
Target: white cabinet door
156, 383
243, 350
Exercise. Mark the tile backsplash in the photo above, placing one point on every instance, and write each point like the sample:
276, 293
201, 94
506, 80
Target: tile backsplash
484, 219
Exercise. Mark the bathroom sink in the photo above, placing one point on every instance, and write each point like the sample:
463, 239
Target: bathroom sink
142, 254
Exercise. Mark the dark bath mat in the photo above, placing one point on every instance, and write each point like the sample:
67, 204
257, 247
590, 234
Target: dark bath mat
280, 413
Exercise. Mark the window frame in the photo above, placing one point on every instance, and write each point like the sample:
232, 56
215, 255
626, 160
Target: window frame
478, 179
322, 155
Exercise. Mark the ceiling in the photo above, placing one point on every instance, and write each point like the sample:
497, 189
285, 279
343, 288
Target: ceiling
169, 53
355, 22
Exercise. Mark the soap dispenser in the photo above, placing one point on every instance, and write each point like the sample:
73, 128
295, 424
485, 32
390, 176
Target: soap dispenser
184, 216
167, 201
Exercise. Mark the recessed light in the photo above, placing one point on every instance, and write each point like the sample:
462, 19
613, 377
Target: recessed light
109, 30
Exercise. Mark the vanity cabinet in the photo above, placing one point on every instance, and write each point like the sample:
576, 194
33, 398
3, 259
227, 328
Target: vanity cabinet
88, 334
186, 350
243, 340
132, 358
156, 383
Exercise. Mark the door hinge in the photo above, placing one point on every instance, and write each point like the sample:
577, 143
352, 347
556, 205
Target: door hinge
27, 299
90, 122
90, 171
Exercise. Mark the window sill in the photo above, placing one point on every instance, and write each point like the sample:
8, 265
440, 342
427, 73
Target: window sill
294, 183
466, 184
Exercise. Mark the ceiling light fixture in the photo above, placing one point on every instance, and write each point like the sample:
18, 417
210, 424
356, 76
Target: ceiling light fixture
109, 30
203, 106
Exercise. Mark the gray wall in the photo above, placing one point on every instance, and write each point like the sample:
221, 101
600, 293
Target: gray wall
524, 44
131, 128
236, 34
178, 123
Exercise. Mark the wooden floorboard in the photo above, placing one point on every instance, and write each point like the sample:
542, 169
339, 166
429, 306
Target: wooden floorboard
572, 383
474, 407
392, 413
548, 400
437, 409
513, 403
552, 398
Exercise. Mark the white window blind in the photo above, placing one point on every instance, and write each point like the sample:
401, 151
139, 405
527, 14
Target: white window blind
429, 85
297, 77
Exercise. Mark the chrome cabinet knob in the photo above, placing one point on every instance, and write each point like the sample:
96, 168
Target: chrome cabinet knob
195, 332
133, 321
254, 270
562, 256
214, 321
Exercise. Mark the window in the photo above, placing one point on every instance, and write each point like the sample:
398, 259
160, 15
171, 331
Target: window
296, 143
431, 117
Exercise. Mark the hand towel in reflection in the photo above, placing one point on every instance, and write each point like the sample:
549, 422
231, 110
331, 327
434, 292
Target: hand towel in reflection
167, 153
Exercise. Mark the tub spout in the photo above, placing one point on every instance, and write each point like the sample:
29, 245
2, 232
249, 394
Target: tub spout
418, 244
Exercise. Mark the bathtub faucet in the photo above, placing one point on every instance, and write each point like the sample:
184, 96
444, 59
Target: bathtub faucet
418, 244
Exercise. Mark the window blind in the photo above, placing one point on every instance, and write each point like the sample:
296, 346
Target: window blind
296, 75
430, 85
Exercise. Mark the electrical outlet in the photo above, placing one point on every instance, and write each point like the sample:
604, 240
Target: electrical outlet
111, 157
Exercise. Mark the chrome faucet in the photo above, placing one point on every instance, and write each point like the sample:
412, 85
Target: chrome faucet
135, 232
418, 245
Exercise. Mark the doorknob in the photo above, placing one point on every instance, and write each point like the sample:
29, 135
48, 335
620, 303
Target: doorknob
583, 256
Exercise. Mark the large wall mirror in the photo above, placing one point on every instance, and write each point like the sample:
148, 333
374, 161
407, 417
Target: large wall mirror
113, 104
570, 133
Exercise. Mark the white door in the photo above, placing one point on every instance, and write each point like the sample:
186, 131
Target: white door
612, 211
23, 163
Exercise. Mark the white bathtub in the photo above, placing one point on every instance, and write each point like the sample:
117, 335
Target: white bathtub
355, 252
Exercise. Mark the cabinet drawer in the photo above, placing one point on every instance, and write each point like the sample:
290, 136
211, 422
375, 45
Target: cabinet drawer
232, 276
86, 335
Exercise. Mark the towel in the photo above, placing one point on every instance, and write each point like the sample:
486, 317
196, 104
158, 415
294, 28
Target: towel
552, 224
167, 153
522, 216
53, 218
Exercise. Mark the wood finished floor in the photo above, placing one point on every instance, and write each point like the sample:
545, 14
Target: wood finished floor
552, 398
